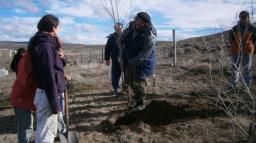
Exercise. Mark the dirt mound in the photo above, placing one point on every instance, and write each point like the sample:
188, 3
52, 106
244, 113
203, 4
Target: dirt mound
163, 113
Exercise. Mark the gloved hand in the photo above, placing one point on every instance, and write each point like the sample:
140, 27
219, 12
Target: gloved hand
61, 124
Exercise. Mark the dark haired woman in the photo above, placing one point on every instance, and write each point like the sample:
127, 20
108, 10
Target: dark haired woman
48, 63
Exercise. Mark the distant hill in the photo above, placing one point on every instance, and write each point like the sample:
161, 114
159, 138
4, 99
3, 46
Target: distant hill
202, 44
68, 46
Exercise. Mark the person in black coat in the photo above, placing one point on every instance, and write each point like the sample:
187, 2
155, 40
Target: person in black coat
112, 51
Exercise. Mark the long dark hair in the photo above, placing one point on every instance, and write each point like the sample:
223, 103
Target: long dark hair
47, 23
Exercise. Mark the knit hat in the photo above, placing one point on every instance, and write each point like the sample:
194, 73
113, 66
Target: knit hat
144, 16
246, 13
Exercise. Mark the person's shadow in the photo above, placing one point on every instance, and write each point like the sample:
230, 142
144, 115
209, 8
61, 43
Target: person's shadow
8, 124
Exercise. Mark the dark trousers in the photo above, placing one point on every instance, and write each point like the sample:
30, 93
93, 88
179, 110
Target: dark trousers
24, 125
115, 75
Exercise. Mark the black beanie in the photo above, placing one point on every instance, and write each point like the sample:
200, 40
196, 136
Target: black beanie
144, 16
244, 13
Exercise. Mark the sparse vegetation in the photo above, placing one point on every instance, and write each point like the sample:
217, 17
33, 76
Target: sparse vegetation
4, 104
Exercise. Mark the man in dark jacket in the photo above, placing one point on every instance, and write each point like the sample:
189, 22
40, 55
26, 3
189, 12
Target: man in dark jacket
112, 51
138, 55
242, 39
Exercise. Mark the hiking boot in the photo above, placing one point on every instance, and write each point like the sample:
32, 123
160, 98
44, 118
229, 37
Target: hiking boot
137, 105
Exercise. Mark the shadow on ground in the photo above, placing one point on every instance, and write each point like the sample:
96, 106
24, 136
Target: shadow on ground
9, 123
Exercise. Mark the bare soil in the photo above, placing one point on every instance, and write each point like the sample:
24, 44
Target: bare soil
180, 108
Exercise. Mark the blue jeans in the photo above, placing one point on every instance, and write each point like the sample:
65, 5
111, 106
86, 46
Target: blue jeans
62, 102
245, 69
24, 125
47, 122
115, 75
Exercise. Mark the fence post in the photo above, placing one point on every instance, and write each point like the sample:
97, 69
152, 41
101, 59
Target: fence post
102, 55
174, 47
75, 60
90, 56
81, 59
10, 53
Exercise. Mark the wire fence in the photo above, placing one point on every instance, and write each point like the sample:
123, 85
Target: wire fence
97, 56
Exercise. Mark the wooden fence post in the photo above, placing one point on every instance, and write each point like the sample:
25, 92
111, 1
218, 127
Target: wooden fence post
81, 59
174, 47
102, 55
90, 56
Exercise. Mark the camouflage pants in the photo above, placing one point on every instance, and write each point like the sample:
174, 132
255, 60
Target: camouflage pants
131, 84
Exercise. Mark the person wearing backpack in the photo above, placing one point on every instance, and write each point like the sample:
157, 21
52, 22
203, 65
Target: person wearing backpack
138, 55
112, 51
242, 38
16, 59
48, 65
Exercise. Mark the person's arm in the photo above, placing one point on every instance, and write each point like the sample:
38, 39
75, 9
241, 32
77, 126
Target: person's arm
231, 37
46, 68
149, 43
61, 55
123, 48
64, 61
108, 50
123, 42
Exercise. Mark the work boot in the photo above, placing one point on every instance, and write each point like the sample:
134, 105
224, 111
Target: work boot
117, 92
137, 104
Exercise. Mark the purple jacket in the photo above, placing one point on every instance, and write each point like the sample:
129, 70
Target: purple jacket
48, 67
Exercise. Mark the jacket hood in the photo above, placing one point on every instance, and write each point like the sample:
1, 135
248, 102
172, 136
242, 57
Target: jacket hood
42, 37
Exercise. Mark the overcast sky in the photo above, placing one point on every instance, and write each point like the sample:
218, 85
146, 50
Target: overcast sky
86, 21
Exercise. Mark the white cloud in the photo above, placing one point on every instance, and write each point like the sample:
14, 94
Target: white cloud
88, 8
17, 28
20, 5
21, 29
28, 5
82, 8
196, 13
187, 16
166, 35
19, 11
74, 32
